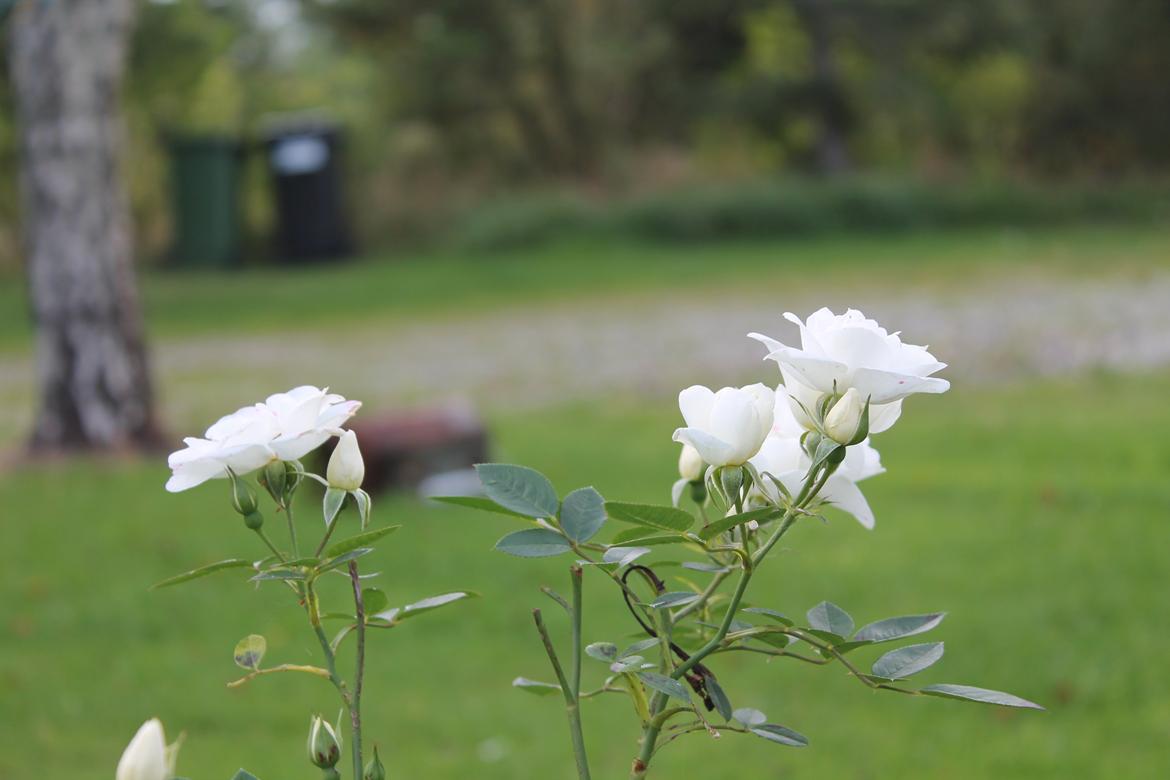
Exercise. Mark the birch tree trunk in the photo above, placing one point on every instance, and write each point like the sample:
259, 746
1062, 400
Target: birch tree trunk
67, 63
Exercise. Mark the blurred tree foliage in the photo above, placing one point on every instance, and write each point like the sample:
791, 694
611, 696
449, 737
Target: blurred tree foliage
451, 101
558, 88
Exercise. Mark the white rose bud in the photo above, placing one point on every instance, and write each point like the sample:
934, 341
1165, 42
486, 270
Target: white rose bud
690, 464
147, 756
324, 744
346, 469
842, 420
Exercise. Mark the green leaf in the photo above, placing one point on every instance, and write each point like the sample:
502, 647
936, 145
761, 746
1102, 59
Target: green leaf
982, 695
718, 696
898, 627
434, 602
624, 555
344, 558
664, 684
361, 540
723, 524
602, 651
641, 646
905, 661
673, 599
278, 574
535, 686
558, 598
828, 637
775, 640
533, 543
331, 504
203, 571
296, 563
780, 735
710, 568
749, 717
250, 651
374, 601
519, 488
398, 614
664, 518
845, 647
771, 613
582, 514
629, 663
477, 502
827, 616
243, 774
641, 535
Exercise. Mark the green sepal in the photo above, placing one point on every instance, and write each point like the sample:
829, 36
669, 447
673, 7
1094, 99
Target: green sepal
331, 504
862, 425
362, 499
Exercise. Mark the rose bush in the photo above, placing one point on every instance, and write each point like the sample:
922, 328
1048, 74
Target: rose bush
755, 463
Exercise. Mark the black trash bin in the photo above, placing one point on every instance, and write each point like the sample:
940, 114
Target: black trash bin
305, 160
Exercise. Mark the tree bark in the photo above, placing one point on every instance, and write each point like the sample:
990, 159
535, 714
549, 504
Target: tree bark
68, 63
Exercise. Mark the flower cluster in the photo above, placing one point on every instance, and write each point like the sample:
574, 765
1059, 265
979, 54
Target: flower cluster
270, 438
285, 427
847, 380
757, 461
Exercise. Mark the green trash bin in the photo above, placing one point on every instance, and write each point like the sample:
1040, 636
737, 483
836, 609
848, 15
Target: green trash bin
205, 173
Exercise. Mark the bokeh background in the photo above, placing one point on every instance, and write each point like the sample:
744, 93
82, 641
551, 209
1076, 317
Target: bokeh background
549, 216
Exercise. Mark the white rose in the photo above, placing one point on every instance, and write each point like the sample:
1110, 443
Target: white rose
346, 469
147, 757
690, 464
305, 418
726, 428
784, 458
286, 426
239, 441
845, 351
861, 462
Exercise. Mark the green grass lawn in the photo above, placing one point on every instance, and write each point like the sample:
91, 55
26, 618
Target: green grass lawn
387, 288
1034, 515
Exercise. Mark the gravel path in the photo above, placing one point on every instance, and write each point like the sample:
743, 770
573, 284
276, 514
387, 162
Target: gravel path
998, 330
992, 329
